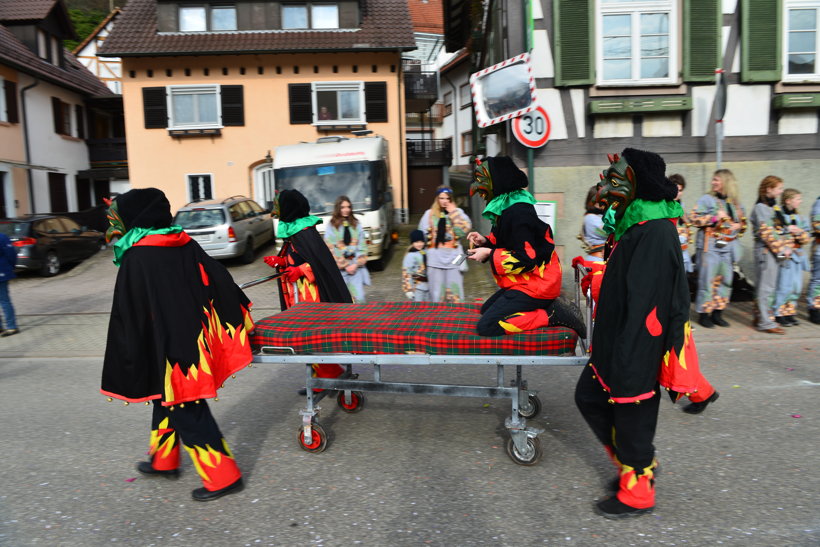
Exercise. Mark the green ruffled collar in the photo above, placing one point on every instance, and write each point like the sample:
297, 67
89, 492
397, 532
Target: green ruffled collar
135, 234
287, 229
497, 205
638, 211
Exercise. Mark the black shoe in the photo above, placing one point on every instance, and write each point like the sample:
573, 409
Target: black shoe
782, 321
792, 320
613, 508
717, 319
697, 408
302, 391
706, 321
203, 494
10, 332
147, 469
814, 315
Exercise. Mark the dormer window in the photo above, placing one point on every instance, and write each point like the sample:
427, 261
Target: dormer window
310, 16
207, 18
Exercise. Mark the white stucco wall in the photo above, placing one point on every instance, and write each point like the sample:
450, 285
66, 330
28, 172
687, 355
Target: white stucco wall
67, 154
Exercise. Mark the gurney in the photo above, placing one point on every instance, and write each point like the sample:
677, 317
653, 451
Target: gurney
380, 334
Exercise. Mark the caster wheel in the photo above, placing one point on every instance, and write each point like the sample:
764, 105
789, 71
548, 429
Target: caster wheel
356, 401
533, 410
533, 455
318, 443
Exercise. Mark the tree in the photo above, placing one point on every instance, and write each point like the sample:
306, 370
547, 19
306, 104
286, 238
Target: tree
84, 21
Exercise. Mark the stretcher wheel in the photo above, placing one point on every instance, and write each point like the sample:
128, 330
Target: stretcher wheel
534, 448
319, 441
356, 401
535, 407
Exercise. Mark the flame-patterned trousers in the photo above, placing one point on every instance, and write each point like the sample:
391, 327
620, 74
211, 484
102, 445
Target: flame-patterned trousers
193, 426
509, 311
626, 430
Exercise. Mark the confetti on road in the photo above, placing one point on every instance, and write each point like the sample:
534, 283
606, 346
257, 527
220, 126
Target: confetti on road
132, 479
796, 416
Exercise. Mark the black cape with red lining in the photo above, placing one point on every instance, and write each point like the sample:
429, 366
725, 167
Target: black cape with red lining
642, 310
163, 311
309, 246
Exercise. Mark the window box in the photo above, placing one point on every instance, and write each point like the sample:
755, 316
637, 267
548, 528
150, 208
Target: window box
643, 104
796, 100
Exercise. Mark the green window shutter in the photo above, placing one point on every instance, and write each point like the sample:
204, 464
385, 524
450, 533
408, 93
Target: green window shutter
574, 42
701, 39
760, 29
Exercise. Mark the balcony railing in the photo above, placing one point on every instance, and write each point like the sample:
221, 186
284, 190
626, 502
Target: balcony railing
420, 90
107, 152
429, 152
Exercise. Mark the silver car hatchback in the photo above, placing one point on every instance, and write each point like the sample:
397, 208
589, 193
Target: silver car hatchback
229, 228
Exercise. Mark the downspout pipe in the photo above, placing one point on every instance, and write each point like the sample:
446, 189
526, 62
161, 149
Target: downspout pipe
29, 177
405, 182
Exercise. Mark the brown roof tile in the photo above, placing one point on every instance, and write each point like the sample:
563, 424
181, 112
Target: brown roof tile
385, 25
25, 10
427, 15
74, 76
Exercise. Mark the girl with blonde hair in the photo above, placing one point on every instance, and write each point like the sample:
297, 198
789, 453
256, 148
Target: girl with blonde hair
345, 237
720, 220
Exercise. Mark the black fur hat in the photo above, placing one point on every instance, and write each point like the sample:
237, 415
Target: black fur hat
506, 175
416, 235
144, 208
650, 175
292, 205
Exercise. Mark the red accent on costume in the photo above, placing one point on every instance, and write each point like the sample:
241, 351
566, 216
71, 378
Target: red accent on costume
652, 324
163, 240
680, 371
203, 274
216, 469
636, 490
522, 321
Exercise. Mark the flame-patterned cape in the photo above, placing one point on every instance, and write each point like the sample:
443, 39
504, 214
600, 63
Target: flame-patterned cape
642, 334
179, 324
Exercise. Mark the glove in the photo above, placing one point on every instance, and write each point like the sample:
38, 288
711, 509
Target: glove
275, 261
410, 294
292, 274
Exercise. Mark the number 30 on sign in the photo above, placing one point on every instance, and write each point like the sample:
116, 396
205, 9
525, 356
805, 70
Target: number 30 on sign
533, 128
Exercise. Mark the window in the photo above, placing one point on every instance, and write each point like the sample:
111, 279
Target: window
802, 19
62, 116
638, 42
338, 102
314, 16
465, 98
448, 103
193, 106
202, 18
467, 143
199, 187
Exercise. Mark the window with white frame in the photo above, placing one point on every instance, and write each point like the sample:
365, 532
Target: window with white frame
637, 42
310, 16
199, 187
338, 102
193, 106
465, 97
205, 18
802, 19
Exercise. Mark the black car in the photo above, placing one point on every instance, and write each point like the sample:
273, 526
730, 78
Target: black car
46, 242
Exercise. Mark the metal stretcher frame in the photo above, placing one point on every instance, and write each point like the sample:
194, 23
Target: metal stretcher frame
523, 447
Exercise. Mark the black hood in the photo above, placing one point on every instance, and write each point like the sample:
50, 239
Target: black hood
650, 175
144, 208
292, 205
506, 176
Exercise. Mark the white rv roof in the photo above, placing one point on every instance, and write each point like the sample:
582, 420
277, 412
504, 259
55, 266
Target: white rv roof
313, 153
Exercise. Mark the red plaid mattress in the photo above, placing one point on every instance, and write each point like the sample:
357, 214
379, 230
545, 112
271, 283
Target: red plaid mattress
400, 327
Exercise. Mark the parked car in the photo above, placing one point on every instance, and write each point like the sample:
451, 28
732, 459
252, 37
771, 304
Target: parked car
228, 228
46, 242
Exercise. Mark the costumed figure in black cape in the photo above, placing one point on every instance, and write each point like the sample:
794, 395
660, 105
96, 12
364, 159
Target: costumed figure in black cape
642, 337
520, 250
309, 271
179, 327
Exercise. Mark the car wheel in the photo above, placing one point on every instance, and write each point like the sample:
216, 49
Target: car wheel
247, 256
51, 265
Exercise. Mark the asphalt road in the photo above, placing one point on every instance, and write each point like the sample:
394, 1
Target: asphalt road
407, 470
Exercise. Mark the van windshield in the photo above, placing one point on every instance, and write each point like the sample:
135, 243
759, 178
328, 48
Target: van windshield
322, 184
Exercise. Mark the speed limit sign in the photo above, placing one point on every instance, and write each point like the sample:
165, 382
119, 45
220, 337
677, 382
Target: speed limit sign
533, 128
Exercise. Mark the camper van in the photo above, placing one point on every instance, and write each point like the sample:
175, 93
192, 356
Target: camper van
334, 166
